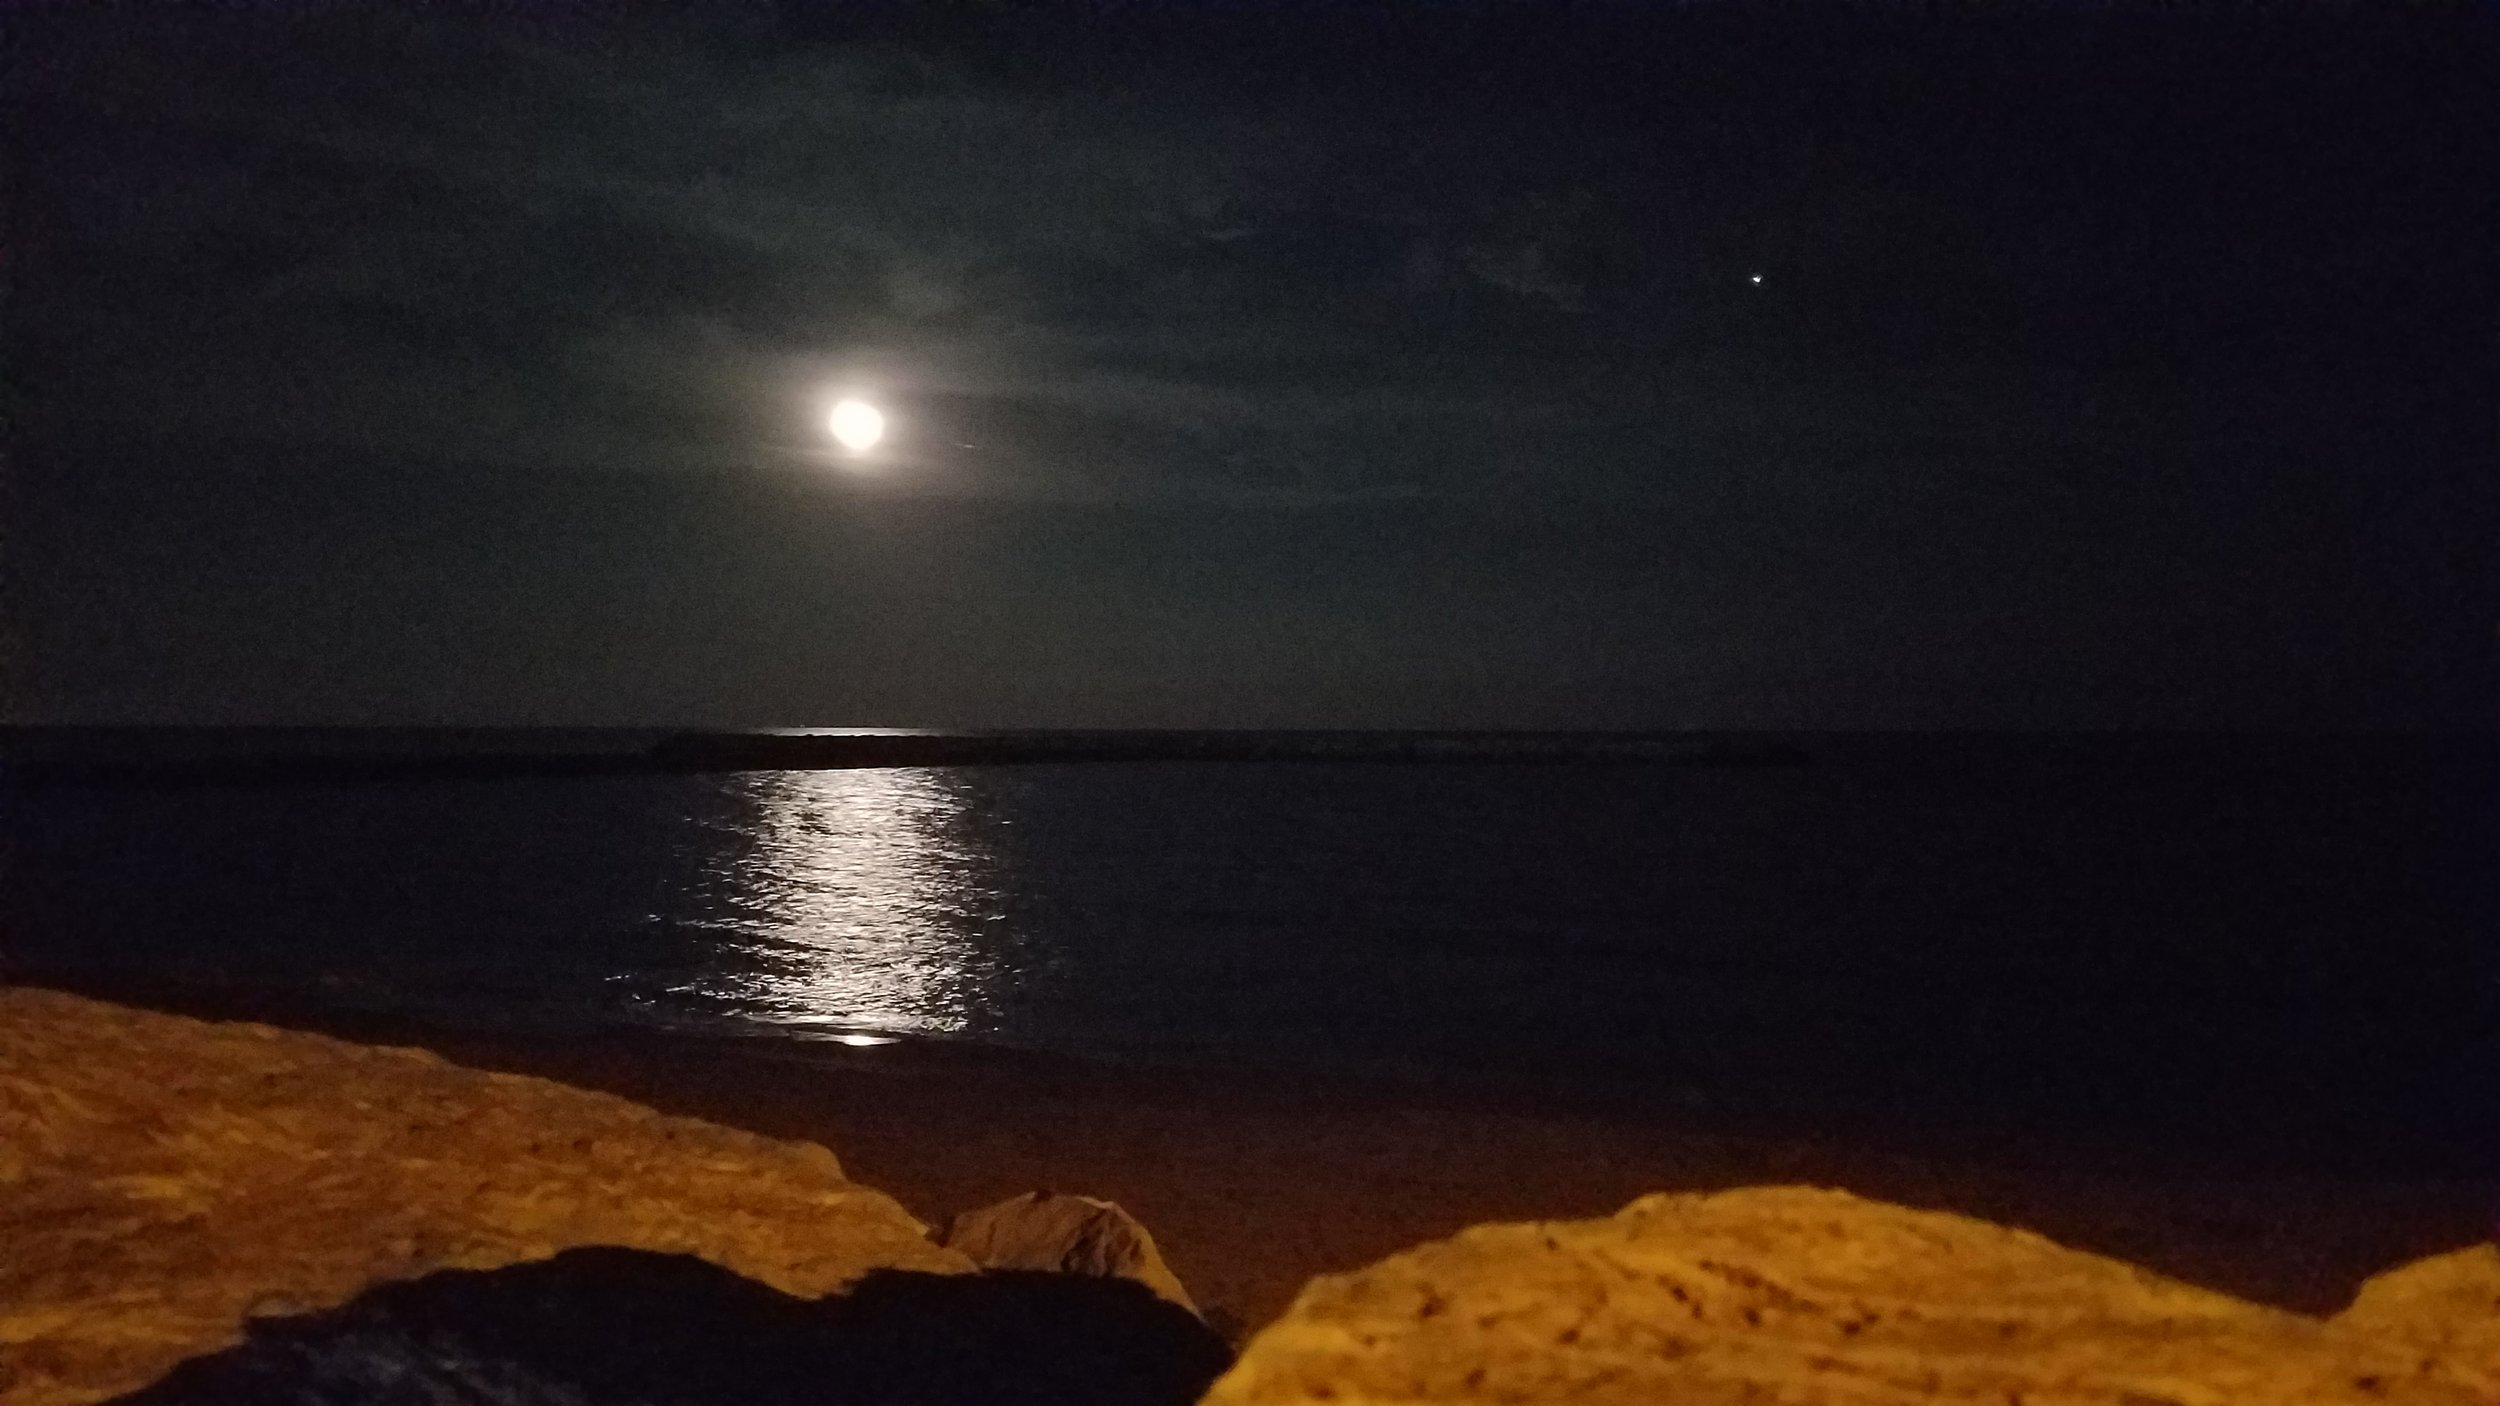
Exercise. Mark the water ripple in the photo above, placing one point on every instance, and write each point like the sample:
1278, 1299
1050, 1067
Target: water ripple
853, 900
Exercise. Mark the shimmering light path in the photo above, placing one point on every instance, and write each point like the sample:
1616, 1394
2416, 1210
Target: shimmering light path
859, 898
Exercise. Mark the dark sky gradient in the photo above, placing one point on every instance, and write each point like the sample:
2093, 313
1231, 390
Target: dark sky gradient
1318, 365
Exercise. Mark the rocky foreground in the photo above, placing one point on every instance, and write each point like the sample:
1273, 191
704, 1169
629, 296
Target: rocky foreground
196, 1212
1792, 1294
162, 1180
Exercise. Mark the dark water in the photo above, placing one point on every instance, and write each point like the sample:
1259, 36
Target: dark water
2188, 936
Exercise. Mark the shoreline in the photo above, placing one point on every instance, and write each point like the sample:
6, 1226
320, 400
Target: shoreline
2303, 1148
1253, 1183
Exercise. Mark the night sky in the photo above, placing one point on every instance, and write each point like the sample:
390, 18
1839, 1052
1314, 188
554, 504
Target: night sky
1336, 365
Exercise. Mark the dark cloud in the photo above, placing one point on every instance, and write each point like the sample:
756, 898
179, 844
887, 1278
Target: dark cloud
1274, 364
562, 209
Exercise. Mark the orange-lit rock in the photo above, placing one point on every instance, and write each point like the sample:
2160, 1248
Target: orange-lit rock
1785, 1294
2446, 1306
1068, 1235
163, 1178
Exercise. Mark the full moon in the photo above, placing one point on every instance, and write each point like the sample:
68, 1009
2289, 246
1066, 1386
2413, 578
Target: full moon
858, 425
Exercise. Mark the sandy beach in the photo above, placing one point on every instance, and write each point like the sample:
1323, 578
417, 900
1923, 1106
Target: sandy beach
1251, 1190
1253, 1183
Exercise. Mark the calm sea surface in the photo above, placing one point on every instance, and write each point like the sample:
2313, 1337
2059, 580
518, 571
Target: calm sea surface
2184, 935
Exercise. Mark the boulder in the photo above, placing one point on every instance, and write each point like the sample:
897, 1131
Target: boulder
2446, 1306
1792, 1294
1068, 1235
610, 1327
162, 1180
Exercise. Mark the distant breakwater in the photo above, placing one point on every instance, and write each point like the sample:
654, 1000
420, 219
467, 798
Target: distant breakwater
242, 756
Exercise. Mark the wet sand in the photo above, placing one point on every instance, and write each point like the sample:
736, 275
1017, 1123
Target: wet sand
1253, 1183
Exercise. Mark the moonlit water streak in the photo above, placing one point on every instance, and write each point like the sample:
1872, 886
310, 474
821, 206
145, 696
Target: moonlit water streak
856, 902
1930, 928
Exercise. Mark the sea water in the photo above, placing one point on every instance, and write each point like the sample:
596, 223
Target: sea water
2184, 934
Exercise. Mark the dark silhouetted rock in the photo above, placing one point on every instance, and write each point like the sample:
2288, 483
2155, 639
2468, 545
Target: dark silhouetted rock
596, 1327
1066, 1234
